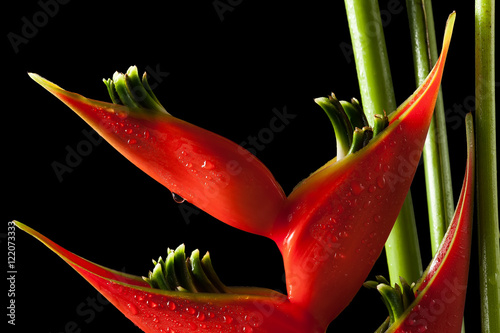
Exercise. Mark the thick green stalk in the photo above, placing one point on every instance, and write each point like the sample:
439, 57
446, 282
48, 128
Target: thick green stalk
487, 183
436, 157
377, 95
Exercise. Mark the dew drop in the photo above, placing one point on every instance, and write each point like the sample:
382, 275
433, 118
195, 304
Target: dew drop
132, 308
200, 316
208, 165
357, 187
132, 141
171, 305
128, 130
146, 134
377, 218
121, 115
381, 181
372, 188
227, 319
190, 310
177, 198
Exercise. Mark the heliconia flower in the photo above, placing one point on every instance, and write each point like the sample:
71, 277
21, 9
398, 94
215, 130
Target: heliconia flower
436, 303
240, 309
330, 229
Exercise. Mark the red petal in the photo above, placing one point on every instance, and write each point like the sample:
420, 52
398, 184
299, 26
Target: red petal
246, 310
337, 221
439, 306
207, 170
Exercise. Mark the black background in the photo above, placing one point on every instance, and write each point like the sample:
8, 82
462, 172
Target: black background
225, 74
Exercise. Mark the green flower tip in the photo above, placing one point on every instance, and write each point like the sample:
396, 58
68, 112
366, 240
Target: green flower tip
396, 299
187, 274
352, 130
130, 90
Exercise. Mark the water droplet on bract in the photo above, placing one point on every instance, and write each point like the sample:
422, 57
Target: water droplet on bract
171, 305
132, 308
132, 141
121, 114
177, 198
200, 316
357, 188
208, 165
381, 181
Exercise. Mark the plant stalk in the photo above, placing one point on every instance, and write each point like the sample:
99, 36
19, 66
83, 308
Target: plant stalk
377, 95
487, 183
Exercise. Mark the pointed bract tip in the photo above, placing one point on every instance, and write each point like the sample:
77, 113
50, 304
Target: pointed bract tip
50, 86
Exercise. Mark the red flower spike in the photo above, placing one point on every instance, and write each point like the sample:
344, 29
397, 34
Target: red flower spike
256, 310
336, 222
440, 296
209, 171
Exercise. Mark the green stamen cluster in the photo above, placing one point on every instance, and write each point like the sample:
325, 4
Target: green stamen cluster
188, 274
397, 299
351, 126
130, 90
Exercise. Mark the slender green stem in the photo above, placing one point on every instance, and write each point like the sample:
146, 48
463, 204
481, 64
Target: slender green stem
377, 95
487, 183
436, 156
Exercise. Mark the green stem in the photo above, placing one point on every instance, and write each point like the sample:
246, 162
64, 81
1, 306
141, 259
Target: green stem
487, 183
377, 95
436, 157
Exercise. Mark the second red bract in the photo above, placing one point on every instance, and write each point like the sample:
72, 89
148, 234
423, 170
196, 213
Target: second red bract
330, 229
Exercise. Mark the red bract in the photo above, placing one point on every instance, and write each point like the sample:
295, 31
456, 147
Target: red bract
336, 222
440, 296
209, 171
330, 229
152, 310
